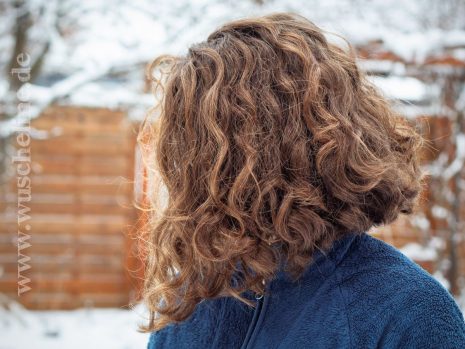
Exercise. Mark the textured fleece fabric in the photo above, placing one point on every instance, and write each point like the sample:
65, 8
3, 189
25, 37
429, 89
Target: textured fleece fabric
362, 294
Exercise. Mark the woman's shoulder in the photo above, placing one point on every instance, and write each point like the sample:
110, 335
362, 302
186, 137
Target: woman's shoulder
393, 302
215, 323
181, 335
375, 271
371, 260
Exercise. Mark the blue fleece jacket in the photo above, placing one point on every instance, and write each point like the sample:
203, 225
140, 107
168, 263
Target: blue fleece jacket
363, 293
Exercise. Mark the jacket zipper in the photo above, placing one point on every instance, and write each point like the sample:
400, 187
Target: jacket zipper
256, 320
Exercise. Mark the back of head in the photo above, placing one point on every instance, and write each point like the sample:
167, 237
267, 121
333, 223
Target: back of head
271, 144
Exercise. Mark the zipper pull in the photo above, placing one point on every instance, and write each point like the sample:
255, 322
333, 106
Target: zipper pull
259, 296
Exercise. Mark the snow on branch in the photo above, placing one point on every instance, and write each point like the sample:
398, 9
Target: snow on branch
39, 98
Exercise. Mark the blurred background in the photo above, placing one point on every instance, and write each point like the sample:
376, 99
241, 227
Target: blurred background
72, 96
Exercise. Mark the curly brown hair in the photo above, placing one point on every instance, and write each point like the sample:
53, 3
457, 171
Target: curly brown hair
270, 144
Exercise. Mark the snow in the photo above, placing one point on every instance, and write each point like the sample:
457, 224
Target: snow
459, 54
384, 67
419, 252
410, 96
444, 282
420, 221
440, 212
402, 88
457, 165
77, 329
416, 45
90, 40
113, 96
98, 50
97, 43
454, 38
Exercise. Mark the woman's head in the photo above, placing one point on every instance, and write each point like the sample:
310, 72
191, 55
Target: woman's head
271, 144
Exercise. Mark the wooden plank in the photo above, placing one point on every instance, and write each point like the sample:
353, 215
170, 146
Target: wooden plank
82, 114
88, 159
66, 239
66, 256
45, 300
71, 198
75, 128
5, 205
135, 266
68, 301
65, 274
103, 285
85, 188
102, 139
57, 224
71, 265
82, 147
103, 168
98, 185
87, 208
76, 207
60, 249
105, 299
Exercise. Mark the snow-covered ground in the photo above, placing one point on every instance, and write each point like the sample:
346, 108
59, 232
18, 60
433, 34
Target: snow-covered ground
78, 329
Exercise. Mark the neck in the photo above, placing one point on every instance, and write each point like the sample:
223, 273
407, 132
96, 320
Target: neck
324, 261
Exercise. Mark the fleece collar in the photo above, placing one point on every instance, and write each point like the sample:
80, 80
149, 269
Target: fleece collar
324, 262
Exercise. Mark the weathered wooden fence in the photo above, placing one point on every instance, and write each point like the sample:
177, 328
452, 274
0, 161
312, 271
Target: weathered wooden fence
82, 251
81, 213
